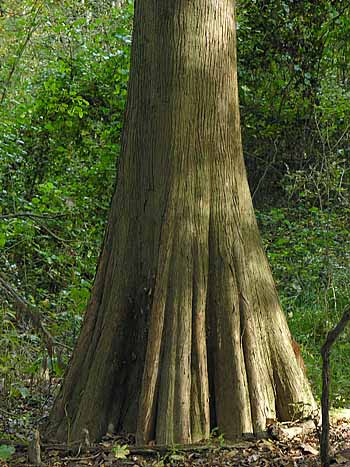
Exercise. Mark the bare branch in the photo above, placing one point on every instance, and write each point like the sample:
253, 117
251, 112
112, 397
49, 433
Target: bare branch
18, 215
53, 235
33, 216
29, 311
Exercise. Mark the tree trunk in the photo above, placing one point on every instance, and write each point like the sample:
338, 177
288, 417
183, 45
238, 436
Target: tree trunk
184, 331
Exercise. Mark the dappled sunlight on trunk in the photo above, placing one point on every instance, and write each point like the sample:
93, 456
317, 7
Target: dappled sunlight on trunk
184, 331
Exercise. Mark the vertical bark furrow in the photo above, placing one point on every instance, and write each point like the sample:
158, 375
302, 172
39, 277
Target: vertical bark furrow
149, 391
200, 412
183, 310
167, 376
232, 406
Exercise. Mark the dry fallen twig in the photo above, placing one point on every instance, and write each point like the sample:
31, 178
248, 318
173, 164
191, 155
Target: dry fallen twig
325, 352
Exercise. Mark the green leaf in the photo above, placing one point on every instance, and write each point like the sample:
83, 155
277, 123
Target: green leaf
2, 239
177, 457
23, 391
120, 452
6, 452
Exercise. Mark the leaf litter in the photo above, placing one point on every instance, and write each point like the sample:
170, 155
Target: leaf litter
285, 445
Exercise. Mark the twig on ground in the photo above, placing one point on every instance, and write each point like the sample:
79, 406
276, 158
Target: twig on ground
325, 352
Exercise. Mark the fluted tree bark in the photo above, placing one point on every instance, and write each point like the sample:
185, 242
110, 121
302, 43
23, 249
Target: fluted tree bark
184, 331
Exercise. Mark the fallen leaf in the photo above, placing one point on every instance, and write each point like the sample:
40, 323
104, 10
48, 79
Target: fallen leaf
266, 444
177, 457
106, 445
253, 458
232, 453
158, 463
54, 453
309, 449
345, 453
341, 460
291, 432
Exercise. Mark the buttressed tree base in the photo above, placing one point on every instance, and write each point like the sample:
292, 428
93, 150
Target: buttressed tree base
184, 331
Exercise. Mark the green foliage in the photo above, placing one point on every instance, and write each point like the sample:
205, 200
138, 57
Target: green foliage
294, 97
6, 452
312, 244
120, 452
62, 104
217, 437
308, 250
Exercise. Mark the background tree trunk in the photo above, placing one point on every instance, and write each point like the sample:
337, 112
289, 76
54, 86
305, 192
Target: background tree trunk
184, 331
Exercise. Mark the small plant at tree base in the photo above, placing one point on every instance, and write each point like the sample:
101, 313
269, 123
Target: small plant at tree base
120, 452
217, 437
6, 452
175, 455
172, 455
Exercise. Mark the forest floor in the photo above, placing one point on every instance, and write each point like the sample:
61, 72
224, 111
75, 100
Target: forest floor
291, 445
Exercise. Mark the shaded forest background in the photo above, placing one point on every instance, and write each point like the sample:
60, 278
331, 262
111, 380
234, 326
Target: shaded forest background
63, 84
